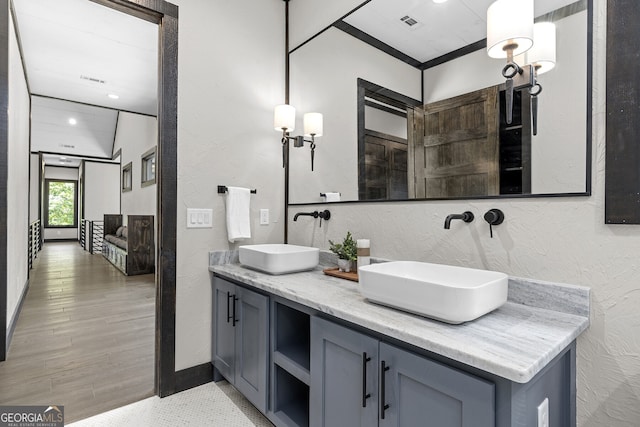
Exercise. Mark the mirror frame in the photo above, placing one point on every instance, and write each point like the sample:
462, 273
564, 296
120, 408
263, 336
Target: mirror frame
447, 57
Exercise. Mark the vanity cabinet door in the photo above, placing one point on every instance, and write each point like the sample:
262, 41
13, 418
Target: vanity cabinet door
223, 328
252, 333
344, 386
416, 391
241, 339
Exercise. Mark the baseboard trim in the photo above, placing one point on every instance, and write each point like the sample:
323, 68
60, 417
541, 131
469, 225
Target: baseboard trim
194, 376
16, 314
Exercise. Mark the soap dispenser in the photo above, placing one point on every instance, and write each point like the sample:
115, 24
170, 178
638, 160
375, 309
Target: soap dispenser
363, 251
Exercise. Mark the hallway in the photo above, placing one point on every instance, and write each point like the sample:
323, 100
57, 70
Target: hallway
84, 338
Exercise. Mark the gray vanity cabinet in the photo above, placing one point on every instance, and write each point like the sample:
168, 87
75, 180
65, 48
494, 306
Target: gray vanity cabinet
415, 391
344, 377
302, 367
240, 339
357, 380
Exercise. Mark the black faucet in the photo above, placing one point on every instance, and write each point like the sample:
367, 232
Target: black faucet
465, 216
322, 215
493, 217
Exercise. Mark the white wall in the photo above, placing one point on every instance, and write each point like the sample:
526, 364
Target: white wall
324, 79
18, 179
557, 151
52, 172
34, 186
555, 239
385, 122
55, 172
231, 75
135, 135
101, 189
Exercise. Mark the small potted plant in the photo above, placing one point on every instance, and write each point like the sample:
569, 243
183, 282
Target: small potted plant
347, 252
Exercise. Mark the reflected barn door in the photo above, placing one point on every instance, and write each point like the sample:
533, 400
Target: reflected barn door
455, 150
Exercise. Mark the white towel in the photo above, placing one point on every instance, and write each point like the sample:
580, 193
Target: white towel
332, 197
238, 213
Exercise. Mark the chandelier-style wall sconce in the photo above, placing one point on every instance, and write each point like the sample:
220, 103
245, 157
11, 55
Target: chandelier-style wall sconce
542, 56
285, 121
511, 32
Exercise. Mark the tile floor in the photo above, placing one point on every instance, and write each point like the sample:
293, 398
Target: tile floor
212, 404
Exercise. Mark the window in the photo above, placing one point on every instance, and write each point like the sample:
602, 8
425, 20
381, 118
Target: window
127, 178
61, 203
149, 168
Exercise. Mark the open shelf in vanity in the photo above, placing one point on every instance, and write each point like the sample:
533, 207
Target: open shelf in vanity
291, 398
290, 362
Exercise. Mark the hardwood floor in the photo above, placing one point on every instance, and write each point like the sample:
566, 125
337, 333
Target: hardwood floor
84, 338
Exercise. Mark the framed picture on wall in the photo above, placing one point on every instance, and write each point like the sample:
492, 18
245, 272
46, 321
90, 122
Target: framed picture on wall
127, 177
148, 163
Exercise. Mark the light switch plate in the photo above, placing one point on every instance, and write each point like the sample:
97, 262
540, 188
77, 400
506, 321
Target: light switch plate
264, 216
199, 218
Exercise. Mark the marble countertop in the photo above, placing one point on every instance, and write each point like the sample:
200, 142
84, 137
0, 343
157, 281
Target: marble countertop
514, 342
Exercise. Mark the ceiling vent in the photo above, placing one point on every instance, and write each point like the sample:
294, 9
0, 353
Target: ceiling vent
92, 79
409, 20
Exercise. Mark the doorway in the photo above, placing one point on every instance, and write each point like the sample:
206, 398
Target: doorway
166, 16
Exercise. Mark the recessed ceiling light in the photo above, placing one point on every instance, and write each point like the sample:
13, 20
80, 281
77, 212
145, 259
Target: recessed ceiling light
73, 121
439, 1
113, 96
63, 158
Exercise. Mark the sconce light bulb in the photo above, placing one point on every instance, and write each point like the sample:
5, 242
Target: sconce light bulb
543, 53
284, 118
313, 124
509, 28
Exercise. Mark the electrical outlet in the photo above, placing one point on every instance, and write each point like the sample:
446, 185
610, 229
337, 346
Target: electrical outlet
264, 216
543, 413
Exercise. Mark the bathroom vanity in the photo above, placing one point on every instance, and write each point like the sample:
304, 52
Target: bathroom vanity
308, 349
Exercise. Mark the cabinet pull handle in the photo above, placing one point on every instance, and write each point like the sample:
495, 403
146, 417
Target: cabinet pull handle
383, 406
365, 395
235, 299
228, 309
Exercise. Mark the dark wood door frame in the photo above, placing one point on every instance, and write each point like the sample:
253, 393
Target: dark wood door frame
166, 16
4, 158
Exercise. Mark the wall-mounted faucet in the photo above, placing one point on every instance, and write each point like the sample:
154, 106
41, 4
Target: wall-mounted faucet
465, 216
325, 214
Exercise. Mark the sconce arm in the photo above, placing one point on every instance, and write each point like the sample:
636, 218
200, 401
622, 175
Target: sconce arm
298, 141
534, 91
285, 146
517, 78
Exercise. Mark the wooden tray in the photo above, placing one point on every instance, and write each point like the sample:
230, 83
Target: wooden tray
352, 275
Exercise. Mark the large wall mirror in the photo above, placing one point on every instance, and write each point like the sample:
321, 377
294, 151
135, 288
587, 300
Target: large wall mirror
415, 109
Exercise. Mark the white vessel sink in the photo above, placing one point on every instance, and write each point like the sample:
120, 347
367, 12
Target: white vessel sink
279, 258
443, 292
